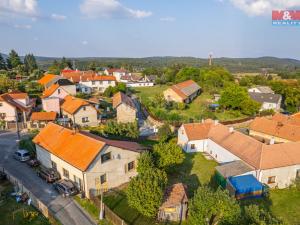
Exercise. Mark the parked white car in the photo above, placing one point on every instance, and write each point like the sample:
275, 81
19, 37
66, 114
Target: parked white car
22, 155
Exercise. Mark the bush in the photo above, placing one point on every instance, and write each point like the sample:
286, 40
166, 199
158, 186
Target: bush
124, 130
164, 132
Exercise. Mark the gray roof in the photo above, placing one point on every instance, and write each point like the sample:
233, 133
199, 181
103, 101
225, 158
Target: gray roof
265, 97
265, 89
233, 169
190, 89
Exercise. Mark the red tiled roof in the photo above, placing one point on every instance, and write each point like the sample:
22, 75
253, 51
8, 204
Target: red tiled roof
248, 149
49, 91
185, 89
9, 100
102, 78
174, 196
43, 116
78, 76
276, 129
18, 95
120, 98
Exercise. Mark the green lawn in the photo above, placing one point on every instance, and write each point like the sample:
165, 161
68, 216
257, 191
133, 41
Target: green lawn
283, 204
196, 110
13, 213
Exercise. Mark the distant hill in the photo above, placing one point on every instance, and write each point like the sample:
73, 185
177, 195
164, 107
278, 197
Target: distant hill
232, 64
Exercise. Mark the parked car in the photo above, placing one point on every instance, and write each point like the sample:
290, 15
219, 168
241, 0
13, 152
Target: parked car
33, 163
48, 174
66, 188
22, 155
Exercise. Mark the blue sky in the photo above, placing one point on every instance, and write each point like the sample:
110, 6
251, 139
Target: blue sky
141, 28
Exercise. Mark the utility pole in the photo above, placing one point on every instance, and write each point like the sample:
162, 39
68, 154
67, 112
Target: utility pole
210, 59
17, 125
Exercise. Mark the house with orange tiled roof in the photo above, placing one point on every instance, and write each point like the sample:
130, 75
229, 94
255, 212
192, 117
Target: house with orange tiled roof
41, 119
97, 84
79, 111
183, 92
117, 73
15, 105
52, 97
93, 163
48, 79
278, 129
125, 107
276, 165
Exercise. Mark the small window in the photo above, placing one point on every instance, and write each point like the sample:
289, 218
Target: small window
58, 91
105, 157
298, 174
103, 179
66, 173
130, 166
84, 108
271, 180
192, 146
85, 119
54, 165
1, 104
109, 82
101, 82
93, 82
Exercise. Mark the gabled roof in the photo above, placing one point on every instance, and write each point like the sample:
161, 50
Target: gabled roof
174, 196
47, 78
101, 78
264, 89
250, 150
43, 116
49, 91
121, 98
77, 76
265, 97
18, 95
197, 131
74, 148
64, 82
186, 88
78, 149
9, 100
277, 129
72, 105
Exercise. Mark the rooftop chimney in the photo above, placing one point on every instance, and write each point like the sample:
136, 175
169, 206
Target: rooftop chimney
202, 121
231, 129
272, 141
216, 122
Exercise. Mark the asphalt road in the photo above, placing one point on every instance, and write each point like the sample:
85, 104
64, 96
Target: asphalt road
65, 210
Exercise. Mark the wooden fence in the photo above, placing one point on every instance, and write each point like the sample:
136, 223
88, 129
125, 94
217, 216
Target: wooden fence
108, 213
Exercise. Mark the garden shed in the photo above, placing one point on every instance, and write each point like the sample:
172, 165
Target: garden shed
246, 186
175, 203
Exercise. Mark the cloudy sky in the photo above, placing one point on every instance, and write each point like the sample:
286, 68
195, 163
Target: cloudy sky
139, 28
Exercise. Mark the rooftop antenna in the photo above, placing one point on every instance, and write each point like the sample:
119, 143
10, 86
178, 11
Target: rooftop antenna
210, 59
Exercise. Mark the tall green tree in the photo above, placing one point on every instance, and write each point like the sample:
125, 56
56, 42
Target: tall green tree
257, 216
213, 208
2, 63
145, 162
30, 63
145, 191
168, 154
13, 60
188, 73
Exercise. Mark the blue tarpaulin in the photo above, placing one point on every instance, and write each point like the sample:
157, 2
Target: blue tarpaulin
245, 184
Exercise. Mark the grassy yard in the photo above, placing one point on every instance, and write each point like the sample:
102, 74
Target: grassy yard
283, 204
196, 110
13, 213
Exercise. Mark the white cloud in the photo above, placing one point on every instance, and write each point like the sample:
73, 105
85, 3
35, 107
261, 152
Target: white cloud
23, 26
110, 9
18, 7
264, 7
58, 17
84, 42
168, 19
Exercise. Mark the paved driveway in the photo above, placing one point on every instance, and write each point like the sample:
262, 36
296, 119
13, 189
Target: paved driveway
64, 208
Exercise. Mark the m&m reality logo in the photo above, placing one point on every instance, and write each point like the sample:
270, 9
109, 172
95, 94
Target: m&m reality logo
286, 17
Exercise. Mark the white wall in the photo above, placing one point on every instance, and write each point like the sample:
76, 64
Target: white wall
219, 153
51, 104
98, 86
284, 176
10, 111
140, 84
71, 89
267, 105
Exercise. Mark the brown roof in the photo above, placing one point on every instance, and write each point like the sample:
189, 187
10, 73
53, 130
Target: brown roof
276, 129
197, 131
43, 116
185, 89
76, 149
78, 76
47, 78
250, 150
286, 119
174, 195
234, 168
72, 104
18, 95
101, 78
79, 149
9, 100
120, 98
